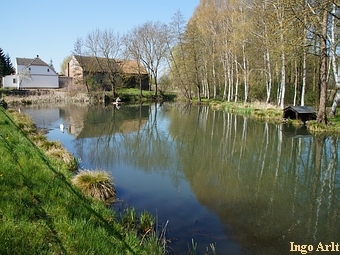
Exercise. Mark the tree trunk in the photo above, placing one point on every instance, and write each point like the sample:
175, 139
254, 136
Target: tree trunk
197, 81
269, 84
237, 81
245, 74
304, 65
214, 79
322, 116
156, 85
335, 104
295, 83
230, 69
334, 64
304, 75
283, 74
140, 85
224, 65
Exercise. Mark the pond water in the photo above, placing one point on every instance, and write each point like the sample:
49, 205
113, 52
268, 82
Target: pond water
248, 187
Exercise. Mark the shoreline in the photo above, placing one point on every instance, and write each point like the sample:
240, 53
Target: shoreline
257, 110
52, 214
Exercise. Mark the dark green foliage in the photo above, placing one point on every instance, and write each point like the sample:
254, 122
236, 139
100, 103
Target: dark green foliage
311, 97
144, 224
6, 66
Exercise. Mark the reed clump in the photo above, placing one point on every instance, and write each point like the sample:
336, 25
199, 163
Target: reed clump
97, 184
145, 223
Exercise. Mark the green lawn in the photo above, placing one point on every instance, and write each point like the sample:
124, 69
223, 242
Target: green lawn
41, 212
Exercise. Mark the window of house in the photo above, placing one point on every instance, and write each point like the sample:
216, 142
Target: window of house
48, 69
14, 80
29, 69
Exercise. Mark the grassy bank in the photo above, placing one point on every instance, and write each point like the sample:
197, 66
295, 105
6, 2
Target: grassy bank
42, 212
133, 96
257, 110
274, 114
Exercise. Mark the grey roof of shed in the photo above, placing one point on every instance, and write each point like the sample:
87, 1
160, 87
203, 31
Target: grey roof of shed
301, 109
31, 62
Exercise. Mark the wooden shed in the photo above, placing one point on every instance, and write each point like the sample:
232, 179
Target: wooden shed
302, 113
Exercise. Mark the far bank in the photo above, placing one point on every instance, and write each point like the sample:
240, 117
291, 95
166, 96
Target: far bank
41, 96
258, 110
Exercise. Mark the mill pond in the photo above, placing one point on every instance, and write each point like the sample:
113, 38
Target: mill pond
245, 186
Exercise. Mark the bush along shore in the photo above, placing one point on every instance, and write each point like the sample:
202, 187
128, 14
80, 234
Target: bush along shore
43, 212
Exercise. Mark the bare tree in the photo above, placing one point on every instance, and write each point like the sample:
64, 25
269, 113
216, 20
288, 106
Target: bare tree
24, 75
106, 47
133, 50
152, 38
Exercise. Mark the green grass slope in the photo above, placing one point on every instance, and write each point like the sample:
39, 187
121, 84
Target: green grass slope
41, 212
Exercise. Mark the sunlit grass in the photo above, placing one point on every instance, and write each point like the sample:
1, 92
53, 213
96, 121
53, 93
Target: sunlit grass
134, 91
50, 148
41, 212
331, 127
256, 110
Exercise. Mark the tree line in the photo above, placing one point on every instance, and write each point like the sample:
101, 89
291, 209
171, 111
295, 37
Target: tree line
276, 51
279, 51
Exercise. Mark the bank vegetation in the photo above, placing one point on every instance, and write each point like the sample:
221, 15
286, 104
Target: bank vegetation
42, 212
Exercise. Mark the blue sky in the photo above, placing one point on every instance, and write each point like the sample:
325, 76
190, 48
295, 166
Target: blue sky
50, 28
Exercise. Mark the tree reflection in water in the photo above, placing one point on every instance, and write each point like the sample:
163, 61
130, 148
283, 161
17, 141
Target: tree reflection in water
267, 185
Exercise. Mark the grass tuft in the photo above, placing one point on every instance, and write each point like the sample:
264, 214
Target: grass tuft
97, 184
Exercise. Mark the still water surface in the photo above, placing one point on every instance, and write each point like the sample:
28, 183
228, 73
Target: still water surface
248, 187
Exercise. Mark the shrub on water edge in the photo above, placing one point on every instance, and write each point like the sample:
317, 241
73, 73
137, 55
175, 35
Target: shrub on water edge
97, 184
129, 218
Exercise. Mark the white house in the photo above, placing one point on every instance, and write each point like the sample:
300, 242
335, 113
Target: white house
31, 73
